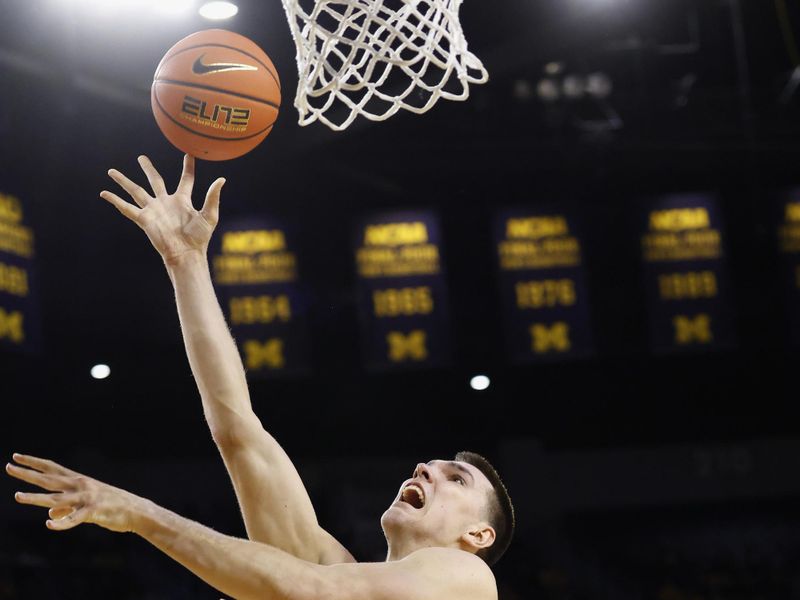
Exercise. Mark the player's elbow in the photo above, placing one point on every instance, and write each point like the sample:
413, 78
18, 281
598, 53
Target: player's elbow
235, 430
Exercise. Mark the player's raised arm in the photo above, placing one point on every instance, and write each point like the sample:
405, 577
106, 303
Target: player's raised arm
245, 569
274, 502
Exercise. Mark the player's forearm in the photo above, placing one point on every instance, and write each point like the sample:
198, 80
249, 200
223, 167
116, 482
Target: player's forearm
212, 353
239, 568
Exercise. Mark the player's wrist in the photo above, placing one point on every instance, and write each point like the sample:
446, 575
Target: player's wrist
187, 259
142, 516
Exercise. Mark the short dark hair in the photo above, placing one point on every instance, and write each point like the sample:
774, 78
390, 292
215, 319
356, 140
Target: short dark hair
500, 510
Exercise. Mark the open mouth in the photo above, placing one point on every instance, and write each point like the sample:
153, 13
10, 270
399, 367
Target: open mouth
414, 495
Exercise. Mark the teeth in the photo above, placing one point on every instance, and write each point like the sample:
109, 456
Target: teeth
419, 492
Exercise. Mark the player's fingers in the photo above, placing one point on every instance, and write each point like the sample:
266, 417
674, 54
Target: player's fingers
186, 183
43, 500
68, 522
153, 176
126, 208
52, 483
210, 210
41, 464
59, 512
137, 192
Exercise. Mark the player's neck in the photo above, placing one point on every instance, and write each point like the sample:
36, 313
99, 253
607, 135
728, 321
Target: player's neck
402, 545
399, 549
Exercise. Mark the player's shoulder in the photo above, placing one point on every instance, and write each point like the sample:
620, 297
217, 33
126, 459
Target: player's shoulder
466, 574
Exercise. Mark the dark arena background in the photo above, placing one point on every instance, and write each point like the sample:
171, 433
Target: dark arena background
617, 219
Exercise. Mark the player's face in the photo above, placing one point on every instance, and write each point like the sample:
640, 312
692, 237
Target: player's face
439, 503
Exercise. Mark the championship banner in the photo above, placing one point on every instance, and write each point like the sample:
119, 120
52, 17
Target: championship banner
402, 295
685, 274
255, 272
543, 290
788, 233
19, 318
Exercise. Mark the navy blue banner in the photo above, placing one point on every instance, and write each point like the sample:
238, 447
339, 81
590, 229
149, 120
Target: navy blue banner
255, 272
402, 296
543, 290
685, 274
788, 233
20, 329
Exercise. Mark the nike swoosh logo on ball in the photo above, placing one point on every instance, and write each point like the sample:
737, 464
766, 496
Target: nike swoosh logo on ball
201, 68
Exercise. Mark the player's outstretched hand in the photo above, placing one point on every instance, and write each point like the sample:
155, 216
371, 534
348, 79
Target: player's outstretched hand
71, 497
170, 221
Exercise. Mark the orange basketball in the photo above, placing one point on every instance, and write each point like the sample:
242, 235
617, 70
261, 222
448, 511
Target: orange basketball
215, 95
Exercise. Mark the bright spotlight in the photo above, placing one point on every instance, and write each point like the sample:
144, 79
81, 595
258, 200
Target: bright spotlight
218, 11
479, 382
100, 371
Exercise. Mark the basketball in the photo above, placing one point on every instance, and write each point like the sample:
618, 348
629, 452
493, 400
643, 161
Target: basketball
215, 95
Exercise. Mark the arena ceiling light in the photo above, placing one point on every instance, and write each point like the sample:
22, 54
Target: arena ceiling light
479, 382
100, 371
217, 11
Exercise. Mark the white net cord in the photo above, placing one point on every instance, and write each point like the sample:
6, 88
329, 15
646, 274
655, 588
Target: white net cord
374, 57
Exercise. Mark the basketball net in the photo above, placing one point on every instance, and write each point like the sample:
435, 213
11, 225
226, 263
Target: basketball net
374, 57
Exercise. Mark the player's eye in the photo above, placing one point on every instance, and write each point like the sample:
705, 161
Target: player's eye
458, 478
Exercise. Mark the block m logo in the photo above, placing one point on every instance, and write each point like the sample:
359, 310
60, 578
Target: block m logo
690, 330
411, 346
269, 354
552, 338
11, 326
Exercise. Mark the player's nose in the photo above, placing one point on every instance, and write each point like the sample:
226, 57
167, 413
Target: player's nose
423, 471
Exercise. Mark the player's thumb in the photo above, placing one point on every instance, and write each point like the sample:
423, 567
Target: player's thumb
210, 210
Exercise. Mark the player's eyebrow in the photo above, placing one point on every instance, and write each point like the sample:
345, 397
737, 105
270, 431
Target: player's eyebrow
458, 466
